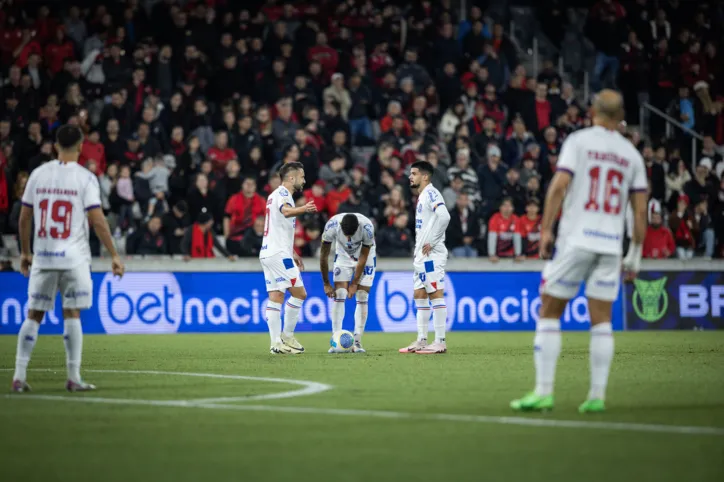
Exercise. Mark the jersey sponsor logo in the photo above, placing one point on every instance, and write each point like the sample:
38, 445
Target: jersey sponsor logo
395, 306
431, 195
331, 225
76, 294
599, 234
140, 303
283, 192
337, 271
50, 254
419, 207
369, 270
280, 279
368, 229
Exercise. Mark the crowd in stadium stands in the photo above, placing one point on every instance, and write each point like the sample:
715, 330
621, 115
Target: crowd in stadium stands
189, 108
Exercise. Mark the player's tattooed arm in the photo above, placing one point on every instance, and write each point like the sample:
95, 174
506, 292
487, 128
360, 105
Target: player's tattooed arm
291, 212
324, 268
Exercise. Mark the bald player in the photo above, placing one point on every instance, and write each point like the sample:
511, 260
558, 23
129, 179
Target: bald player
597, 173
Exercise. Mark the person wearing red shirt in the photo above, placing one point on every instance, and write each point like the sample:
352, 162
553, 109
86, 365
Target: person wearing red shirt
659, 242
316, 195
504, 239
94, 149
58, 50
28, 46
530, 229
542, 107
241, 210
327, 57
220, 153
337, 196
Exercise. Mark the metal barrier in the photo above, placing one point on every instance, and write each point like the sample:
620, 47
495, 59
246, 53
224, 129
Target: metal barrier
670, 121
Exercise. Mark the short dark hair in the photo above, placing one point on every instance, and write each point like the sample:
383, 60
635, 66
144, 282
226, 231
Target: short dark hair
349, 224
288, 167
204, 218
507, 200
68, 136
424, 166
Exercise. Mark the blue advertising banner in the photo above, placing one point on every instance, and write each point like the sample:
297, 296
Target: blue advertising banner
670, 300
236, 302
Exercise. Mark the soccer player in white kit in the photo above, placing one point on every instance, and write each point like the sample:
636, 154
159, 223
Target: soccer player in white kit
280, 263
598, 171
431, 222
58, 197
355, 261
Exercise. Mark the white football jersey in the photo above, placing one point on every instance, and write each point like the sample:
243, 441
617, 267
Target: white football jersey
428, 228
60, 195
349, 248
605, 167
278, 230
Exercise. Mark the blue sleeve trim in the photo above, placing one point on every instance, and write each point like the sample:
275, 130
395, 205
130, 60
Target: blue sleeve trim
563, 169
92, 206
27, 205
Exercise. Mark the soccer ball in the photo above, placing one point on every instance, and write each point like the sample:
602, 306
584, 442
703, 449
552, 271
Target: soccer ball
342, 341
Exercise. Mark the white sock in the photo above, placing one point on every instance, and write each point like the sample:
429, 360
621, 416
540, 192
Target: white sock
274, 321
73, 340
291, 315
340, 297
27, 336
547, 348
423, 317
360, 314
601, 356
439, 318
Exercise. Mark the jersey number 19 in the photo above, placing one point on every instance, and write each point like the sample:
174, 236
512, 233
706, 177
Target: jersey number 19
61, 212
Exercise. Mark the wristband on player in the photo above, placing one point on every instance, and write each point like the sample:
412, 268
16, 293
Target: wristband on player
635, 252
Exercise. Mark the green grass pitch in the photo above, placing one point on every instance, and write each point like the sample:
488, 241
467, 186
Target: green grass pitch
395, 429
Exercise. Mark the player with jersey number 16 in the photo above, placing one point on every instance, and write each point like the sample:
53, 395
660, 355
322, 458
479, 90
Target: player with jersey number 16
59, 196
280, 263
598, 171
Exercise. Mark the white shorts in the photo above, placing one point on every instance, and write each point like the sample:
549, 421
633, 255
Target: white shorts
280, 273
562, 276
429, 275
343, 273
75, 286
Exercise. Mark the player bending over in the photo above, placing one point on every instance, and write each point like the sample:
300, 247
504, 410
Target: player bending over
430, 258
354, 269
597, 170
280, 263
58, 196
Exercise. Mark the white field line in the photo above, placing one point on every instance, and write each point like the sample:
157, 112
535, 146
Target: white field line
483, 419
308, 388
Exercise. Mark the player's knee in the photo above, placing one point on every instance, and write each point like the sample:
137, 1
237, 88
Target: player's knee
552, 307
299, 293
70, 313
599, 311
362, 296
420, 294
36, 315
340, 294
276, 297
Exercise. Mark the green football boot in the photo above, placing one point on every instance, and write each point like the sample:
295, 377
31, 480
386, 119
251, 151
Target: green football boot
592, 406
533, 403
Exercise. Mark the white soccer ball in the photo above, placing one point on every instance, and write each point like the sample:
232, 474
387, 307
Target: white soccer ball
342, 341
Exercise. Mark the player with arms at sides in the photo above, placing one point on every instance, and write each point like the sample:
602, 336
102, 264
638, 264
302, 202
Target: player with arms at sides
355, 260
58, 196
280, 263
431, 222
597, 171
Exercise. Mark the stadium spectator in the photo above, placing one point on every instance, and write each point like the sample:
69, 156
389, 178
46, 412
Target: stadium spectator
513, 190
242, 209
464, 228
199, 240
504, 239
462, 169
149, 240
705, 241
683, 225
125, 197
659, 242
252, 240
675, 181
492, 179
530, 225
396, 240
174, 224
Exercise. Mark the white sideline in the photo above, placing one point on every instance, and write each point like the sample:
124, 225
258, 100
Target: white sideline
524, 421
315, 387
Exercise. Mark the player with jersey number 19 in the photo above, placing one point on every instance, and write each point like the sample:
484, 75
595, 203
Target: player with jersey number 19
597, 172
431, 222
280, 263
58, 196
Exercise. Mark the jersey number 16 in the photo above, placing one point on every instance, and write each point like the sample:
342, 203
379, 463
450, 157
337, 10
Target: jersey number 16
611, 192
